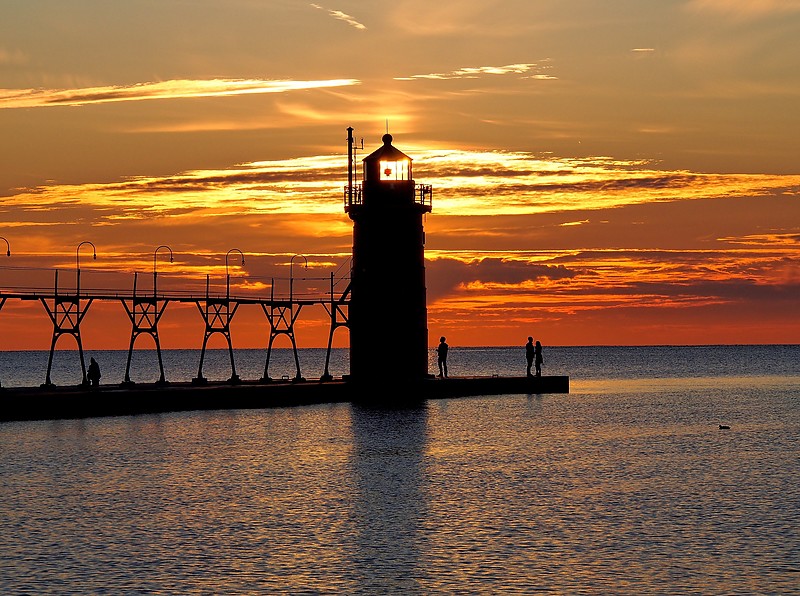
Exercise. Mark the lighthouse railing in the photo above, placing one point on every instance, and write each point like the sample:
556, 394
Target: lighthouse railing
424, 194
354, 195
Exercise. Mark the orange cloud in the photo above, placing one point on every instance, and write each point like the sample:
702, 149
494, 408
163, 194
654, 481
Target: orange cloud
472, 72
176, 89
342, 16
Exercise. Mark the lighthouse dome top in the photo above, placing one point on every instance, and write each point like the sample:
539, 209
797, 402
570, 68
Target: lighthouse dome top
387, 152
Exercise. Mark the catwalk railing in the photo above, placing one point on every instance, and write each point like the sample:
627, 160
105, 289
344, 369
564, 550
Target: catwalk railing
72, 292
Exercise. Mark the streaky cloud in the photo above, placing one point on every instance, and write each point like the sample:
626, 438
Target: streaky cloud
173, 89
771, 239
493, 183
342, 16
472, 72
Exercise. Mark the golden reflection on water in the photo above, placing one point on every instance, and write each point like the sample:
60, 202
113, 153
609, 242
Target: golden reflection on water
623, 487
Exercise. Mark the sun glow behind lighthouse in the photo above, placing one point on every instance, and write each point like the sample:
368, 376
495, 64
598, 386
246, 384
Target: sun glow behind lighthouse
583, 239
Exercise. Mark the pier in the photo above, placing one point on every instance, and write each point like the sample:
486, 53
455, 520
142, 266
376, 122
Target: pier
66, 307
58, 403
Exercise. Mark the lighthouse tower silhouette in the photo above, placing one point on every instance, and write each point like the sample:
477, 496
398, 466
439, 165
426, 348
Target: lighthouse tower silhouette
388, 314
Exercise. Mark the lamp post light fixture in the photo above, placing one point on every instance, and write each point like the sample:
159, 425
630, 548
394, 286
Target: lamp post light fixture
155, 273
227, 275
78, 264
291, 274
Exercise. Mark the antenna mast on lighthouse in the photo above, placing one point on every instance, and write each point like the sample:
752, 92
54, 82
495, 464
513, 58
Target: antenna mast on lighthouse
349, 165
351, 160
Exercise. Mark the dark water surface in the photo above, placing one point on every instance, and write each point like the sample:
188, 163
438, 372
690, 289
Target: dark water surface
627, 485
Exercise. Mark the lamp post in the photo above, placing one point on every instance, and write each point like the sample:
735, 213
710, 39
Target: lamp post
155, 273
77, 304
78, 264
227, 275
8, 254
291, 274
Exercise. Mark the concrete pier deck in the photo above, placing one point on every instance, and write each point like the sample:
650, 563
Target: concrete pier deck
54, 403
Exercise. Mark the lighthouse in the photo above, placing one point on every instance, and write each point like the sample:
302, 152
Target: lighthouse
388, 314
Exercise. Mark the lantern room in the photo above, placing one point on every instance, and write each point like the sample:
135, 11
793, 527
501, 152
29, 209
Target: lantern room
387, 164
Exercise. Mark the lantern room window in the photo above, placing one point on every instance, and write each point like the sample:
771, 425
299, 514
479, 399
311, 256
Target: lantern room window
395, 170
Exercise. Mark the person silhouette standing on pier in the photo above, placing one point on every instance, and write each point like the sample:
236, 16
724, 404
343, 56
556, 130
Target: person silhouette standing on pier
94, 374
530, 351
441, 350
539, 359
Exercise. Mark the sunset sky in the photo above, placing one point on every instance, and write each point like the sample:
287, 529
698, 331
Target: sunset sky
603, 172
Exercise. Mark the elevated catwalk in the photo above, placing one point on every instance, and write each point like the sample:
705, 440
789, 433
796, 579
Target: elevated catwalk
55, 403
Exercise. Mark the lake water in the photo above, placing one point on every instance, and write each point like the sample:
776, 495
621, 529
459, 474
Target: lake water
626, 485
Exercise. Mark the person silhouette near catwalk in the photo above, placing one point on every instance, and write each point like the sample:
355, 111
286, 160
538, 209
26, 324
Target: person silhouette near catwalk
441, 350
530, 351
539, 358
94, 374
